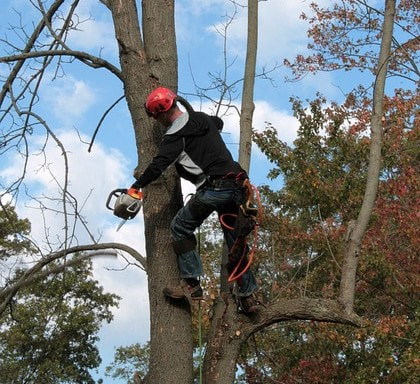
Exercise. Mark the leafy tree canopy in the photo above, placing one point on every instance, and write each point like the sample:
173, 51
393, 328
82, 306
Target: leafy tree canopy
12, 232
307, 221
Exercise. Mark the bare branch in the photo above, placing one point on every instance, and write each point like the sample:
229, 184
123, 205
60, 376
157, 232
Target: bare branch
31, 40
330, 311
101, 121
93, 61
36, 273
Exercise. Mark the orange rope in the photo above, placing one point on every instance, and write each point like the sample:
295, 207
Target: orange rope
234, 275
251, 191
222, 220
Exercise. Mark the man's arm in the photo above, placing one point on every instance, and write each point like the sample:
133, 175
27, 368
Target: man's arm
171, 148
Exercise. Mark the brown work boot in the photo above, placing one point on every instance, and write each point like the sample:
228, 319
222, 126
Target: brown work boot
248, 304
184, 291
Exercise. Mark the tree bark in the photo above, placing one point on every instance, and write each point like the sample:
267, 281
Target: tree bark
219, 363
247, 109
348, 277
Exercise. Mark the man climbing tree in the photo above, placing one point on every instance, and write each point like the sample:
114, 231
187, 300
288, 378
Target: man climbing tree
193, 142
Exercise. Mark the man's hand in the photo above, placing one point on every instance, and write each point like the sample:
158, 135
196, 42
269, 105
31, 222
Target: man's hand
137, 173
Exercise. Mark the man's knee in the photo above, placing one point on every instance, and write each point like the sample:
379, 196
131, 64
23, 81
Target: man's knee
198, 209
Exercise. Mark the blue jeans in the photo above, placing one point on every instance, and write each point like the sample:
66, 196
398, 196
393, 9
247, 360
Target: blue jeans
191, 216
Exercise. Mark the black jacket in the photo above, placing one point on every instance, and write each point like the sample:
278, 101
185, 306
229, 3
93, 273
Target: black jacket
193, 143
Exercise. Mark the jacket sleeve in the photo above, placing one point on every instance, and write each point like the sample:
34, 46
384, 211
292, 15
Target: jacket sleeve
171, 148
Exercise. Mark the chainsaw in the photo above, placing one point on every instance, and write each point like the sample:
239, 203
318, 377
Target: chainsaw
127, 205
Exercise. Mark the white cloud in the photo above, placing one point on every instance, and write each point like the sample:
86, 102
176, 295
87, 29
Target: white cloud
265, 112
95, 35
91, 177
285, 123
130, 283
94, 175
95, 31
69, 98
281, 32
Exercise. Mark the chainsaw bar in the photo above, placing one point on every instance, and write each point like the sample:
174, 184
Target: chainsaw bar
121, 224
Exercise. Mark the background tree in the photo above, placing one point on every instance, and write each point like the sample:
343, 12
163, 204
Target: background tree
49, 330
247, 106
321, 172
12, 233
323, 188
130, 364
346, 36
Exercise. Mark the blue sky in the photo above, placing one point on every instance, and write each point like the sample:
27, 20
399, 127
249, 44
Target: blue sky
74, 103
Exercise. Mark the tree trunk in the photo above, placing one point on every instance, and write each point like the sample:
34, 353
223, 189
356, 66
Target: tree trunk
171, 342
145, 67
348, 277
222, 350
247, 109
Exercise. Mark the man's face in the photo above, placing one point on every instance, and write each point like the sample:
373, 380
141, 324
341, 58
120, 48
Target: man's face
164, 118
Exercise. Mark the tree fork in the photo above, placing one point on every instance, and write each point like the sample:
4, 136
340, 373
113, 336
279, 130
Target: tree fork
229, 329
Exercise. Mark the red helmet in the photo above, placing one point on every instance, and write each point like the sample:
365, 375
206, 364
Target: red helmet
159, 100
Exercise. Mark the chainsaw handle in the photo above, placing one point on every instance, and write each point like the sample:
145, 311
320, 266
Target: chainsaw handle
115, 193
